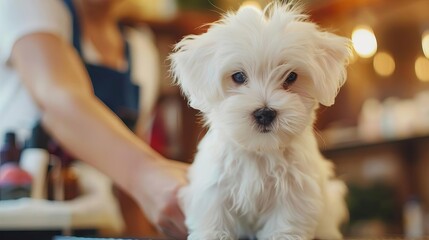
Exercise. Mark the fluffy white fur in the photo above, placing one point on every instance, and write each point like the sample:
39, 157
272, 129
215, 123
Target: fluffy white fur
246, 182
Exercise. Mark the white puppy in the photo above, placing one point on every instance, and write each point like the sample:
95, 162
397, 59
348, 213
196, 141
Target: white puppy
258, 77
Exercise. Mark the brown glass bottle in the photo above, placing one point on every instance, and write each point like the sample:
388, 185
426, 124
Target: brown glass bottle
63, 182
15, 183
69, 178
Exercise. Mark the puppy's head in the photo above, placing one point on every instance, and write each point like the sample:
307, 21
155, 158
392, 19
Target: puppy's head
258, 75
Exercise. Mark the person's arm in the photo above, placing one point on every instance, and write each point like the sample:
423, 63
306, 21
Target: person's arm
55, 77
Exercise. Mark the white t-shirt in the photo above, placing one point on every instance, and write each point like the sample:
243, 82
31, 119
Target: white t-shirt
18, 111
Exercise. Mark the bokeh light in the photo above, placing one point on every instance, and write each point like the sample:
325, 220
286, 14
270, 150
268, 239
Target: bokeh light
384, 64
422, 69
255, 4
425, 43
364, 41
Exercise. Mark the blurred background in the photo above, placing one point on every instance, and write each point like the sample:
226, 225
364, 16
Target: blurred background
377, 133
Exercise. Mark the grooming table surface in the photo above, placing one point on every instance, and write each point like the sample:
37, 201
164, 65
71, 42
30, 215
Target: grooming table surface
78, 238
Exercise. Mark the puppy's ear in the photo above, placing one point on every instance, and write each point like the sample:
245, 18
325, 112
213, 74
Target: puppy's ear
195, 72
333, 54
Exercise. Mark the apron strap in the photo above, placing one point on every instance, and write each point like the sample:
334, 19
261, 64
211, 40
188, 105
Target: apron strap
76, 27
113, 87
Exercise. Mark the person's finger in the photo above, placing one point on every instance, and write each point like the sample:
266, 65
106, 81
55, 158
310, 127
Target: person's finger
174, 215
169, 228
179, 219
173, 218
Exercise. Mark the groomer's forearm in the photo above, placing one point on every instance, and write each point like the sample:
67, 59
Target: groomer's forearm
56, 78
91, 132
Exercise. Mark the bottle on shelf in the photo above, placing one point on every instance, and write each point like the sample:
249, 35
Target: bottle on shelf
15, 182
69, 178
63, 183
35, 159
413, 219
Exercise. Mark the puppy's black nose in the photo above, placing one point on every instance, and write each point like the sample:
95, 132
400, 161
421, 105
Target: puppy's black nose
264, 116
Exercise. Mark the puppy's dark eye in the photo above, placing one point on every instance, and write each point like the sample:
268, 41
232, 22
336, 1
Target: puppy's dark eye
290, 79
239, 77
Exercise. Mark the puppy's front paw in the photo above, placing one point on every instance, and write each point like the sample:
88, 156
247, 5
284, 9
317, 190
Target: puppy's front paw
217, 235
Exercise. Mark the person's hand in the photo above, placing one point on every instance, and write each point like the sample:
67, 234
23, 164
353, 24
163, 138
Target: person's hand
157, 196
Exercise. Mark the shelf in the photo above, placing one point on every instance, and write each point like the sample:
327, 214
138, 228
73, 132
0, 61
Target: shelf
357, 145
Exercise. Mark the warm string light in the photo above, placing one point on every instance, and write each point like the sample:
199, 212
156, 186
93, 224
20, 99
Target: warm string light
422, 69
421, 65
364, 41
384, 64
365, 46
425, 43
255, 4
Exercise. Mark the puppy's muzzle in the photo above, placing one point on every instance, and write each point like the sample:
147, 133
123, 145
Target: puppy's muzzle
264, 116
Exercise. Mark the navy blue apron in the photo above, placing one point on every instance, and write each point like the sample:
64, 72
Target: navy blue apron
114, 88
